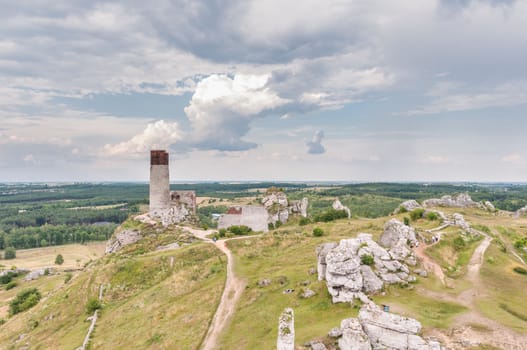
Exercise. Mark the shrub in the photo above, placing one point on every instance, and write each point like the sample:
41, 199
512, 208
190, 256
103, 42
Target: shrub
67, 277
459, 243
5, 279
222, 232
432, 216
59, 260
520, 270
240, 230
403, 210
331, 215
92, 305
406, 220
318, 232
304, 221
278, 224
366, 259
270, 226
417, 214
24, 300
2, 321
11, 285
9, 253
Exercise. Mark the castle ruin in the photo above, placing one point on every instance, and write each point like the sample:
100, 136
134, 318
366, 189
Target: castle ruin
170, 207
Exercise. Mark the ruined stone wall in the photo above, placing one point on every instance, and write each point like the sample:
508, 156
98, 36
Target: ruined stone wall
251, 216
159, 182
187, 198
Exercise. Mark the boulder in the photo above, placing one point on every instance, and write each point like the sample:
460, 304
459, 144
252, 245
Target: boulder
353, 336
459, 220
299, 207
308, 293
408, 206
322, 252
396, 238
337, 205
122, 239
286, 330
520, 212
489, 206
36, 274
318, 346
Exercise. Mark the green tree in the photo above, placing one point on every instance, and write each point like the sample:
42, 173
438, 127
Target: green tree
9, 253
24, 300
59, 260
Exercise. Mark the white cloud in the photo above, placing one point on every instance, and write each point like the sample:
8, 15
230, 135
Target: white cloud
158, 135
315, 145
436, 159
513, 158
222, 109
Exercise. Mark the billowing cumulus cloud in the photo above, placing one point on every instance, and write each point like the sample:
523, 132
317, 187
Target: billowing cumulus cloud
315, 145
158, 135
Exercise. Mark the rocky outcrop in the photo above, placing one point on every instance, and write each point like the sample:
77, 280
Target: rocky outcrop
489, 206
36, 274
408, 206
286, 330
299, 207
459, 220
337, 205
376, 329
520, 212
122, 239
398, 239
359, 266
461, 200
277, 205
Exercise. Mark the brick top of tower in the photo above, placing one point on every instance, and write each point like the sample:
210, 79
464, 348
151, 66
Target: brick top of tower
158, 157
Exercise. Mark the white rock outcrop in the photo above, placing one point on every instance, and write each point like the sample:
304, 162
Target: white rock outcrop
520, 212
121, 239
461, 200
376, 329
337, 205
408, 205
286, 330
299, 207
350, 276
398, 239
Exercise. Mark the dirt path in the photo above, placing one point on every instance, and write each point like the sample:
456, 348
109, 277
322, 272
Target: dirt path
232, 291
429, 264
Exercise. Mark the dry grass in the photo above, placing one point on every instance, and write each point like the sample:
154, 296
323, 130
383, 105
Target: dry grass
75, 256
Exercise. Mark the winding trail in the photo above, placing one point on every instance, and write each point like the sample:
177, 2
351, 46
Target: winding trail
234, 287
429, 264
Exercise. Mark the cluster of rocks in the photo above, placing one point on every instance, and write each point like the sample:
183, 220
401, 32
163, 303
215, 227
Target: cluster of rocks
337, 205
121, 239
360, 266
460, 200
36, 274
279, 208
14, 271
174, 215
377, 329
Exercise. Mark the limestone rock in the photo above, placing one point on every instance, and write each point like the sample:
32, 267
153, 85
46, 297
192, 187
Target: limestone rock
264, 283
36, 274
299, 207
490, 207
275, 198
459, 220
318, 346
347, 278
396, 237
335, 332
461, 200
121, 239
408, 205
286, 330
337, 205
308, 293
520, 212
170, 246
390, 331
353, 336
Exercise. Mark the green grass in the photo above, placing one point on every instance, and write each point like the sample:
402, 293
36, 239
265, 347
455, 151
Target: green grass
432, 313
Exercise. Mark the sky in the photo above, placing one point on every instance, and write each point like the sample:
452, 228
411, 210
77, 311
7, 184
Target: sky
428, 90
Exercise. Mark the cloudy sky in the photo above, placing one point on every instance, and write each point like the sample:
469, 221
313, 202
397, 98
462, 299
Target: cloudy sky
428, 90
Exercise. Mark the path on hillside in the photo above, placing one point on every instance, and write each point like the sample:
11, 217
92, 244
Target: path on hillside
429, 264
232, 291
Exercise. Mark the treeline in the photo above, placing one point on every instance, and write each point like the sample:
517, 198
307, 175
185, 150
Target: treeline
48, 235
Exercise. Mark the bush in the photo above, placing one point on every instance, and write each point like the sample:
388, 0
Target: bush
11, 285
459, 243
520, 270
432, 216
366, 259
318, 232
402, 210
5, 279
304, 221
417, 214
24, 300
9, 253
67, 277
59, 260
222, 232
331, 215
270, 226
406, 221
240, 230
92, 305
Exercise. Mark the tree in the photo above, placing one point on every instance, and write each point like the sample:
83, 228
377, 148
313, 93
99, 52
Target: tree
10, 253
59, 260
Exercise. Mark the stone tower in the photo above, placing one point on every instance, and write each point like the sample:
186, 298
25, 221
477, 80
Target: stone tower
159, 182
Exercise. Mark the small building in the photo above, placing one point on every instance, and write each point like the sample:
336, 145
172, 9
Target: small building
255, 217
